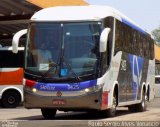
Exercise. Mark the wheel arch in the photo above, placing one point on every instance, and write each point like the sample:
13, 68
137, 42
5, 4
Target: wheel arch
144, 88
18, 90
148, 92
115, 90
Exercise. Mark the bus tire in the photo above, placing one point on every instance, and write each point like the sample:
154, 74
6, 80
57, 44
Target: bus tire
111, 112
132, 108
141, 107
48, 113
10, 99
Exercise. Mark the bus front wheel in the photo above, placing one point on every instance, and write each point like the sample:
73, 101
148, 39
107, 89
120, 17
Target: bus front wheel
48, 113
111, 112
10, 99
141, 107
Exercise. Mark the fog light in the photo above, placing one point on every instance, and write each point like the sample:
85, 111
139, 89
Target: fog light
34, 90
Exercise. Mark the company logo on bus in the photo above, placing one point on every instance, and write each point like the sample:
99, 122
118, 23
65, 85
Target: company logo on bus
59, 93
136, 67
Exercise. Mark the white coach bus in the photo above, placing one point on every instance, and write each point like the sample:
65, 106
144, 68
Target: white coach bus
86, 58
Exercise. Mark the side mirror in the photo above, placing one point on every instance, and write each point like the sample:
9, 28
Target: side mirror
104, 39
15, 40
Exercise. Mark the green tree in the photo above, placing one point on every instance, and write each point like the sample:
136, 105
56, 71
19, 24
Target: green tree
156, 35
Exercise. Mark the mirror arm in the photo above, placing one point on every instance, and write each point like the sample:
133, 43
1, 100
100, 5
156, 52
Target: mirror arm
15, 40
104, 39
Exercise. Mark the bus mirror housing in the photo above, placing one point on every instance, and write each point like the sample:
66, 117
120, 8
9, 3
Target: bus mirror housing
15, 40
104, 39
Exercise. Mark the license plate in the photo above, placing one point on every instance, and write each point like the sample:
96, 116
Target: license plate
59, 102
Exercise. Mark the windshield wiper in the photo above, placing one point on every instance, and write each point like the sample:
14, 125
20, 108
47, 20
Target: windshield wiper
52, 66
70, 68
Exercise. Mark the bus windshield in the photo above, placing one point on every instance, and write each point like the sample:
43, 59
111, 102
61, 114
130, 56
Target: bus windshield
57, 50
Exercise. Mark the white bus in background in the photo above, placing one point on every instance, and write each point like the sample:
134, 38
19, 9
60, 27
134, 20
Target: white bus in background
157, 86
157, 77
99, 59
11, 77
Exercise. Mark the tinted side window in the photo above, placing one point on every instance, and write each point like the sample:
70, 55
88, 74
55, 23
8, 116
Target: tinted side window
151, 48
157, 80
132, 41
108, 23
10, 60
124, 38
119, 37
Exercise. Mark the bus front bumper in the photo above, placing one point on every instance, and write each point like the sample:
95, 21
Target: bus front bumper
82, 102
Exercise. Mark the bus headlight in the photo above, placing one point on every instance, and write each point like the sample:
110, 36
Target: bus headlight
34, 90
92, 89
87, 90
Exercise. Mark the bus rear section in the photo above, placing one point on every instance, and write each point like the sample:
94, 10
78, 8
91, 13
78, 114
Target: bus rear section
11, 76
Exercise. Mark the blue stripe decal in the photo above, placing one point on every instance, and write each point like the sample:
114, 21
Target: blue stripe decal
136, 64
65, 86
133, 26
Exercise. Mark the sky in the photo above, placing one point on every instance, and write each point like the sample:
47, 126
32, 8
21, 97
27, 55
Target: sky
146, 13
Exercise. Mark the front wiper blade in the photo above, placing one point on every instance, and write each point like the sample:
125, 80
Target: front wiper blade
70, 68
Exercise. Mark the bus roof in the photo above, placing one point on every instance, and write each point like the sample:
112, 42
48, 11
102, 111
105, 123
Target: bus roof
82, 13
